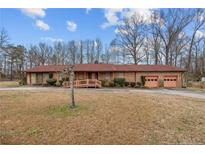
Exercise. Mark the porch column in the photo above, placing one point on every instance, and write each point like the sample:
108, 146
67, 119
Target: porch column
113, 75
84, 75
30, 78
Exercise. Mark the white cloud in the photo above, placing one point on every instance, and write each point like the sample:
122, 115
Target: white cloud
33, 13
121, 31
116, 31
145, 14
71, 26
42, 25
114, 16
88, 10
51, 39
200, 34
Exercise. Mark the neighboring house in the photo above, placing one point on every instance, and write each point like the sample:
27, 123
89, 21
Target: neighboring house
203, 79
171, 76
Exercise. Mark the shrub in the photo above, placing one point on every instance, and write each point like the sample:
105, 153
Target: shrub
51, 81
22, 81
119, 82
65, 79
111, 84
161, 83
139, 84
127, 84
61, 82
57, 84
105, 83
132, 84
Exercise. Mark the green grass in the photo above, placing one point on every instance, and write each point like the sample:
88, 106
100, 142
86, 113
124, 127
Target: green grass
29, 132
10, 133
32, 131
64, 110
4, 84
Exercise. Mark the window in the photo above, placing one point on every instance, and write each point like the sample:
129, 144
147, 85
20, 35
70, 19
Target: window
107, 75
50, 75
120, 75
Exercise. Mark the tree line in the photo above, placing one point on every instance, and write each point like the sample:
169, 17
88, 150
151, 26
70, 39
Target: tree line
170, 36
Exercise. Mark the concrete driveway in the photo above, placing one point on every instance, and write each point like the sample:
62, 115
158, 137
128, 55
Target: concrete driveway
181, 92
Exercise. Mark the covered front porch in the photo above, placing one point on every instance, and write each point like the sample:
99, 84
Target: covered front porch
94, 75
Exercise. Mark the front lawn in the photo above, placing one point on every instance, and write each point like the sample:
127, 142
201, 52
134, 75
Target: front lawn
100, 118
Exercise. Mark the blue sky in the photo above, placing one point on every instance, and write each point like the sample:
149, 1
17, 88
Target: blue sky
32, 26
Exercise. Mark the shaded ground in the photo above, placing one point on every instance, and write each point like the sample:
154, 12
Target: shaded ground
33, 117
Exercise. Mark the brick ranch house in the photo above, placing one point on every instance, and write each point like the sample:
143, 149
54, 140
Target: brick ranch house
172, 76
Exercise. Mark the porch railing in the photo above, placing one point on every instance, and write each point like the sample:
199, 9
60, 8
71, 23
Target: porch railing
84, 83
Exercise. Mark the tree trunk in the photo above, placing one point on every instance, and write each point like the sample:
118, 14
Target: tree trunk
81, 52
72, 89
11, 69
190, 51
156, 58
167, 56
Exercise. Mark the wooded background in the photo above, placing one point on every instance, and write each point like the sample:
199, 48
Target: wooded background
173, 37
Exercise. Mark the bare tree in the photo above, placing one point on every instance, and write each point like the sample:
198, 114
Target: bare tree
92, 52
154, 39
88, 51
4, 38
130, 37
199, 20
44, 52
81, 52
179, 46
98, 45
174, 22
72, 48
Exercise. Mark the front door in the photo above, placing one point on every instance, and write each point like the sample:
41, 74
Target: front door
92, 75
39, 78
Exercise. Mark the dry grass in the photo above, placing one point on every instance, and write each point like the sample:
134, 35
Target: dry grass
4, 84
196, 89
100, 118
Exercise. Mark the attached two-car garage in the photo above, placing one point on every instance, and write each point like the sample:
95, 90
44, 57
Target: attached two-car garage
168, 81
